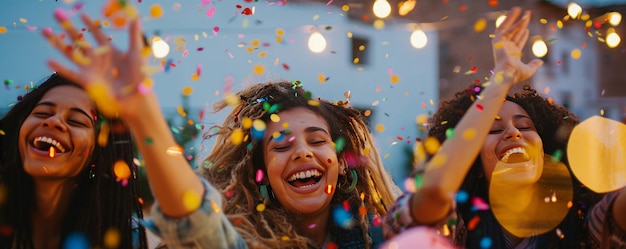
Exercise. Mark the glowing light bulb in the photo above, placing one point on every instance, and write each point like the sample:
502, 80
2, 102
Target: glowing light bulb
381, 8
418, 39
317, 42
539, 48
160, 48
574, 10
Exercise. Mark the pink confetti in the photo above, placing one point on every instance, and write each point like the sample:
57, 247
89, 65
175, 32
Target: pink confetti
210, 12
216, 29
185, 53
390, 71
259, 175
199, 70
205, 2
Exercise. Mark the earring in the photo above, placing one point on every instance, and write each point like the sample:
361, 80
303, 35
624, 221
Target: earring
92, 171
353, 183
266, 192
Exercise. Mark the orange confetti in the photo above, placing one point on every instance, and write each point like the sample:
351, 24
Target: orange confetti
121, 170
156, 11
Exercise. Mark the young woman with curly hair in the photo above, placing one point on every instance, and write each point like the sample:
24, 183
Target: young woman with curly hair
514, 146
287, 170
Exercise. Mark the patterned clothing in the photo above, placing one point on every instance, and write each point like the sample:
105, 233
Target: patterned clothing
206, 227
602, 226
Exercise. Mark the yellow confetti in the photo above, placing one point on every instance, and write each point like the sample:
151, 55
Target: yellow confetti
431, 145
421, 119
23, 20
52, 152
174, 150
121, 170
576, 53
439, 160
258, 69
480, 25
246, 123
99, 93
103, 135
280, 32
232, 99
285, 125
112, 238
195, 76
275, 118
262, 54
260, 207
394, 79
187, 90
469, 134
259, 125
156, 11
237, 137
2, 133
380, 128
3, 30
313, 102
255, 43
321, 78
284, 238
279, 39
192, 200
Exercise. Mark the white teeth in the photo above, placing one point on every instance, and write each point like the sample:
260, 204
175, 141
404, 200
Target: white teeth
304, 174
512, 151
51, 141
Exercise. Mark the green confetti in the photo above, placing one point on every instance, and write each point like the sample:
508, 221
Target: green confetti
449, 133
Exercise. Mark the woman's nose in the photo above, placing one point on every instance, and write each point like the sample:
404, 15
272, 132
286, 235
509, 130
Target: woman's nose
513, 133
55, 122
301, 151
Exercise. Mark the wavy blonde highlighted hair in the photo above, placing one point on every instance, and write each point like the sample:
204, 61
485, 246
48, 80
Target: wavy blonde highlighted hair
232, 168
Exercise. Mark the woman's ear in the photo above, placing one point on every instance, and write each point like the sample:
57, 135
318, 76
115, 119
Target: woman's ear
343, 168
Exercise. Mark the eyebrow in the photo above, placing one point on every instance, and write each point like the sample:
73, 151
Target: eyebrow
309, 129
47, 103
516, 116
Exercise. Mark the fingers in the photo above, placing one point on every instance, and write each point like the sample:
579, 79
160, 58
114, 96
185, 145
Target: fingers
73, 34
64, 71
67, 50
136, 37
511, 18
97, 33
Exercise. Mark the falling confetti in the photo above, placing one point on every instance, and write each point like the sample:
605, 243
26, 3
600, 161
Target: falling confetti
191, 200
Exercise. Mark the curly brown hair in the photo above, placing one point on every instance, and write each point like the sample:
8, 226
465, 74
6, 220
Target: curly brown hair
554, 124
232, 168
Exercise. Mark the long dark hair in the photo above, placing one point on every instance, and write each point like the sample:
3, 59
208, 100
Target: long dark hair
554, 124
99, 203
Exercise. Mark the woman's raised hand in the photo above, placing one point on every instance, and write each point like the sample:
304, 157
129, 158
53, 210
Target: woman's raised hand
508, 43
113, 78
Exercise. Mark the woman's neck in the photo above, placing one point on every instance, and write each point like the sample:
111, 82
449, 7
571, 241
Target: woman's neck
314, 226
52, 198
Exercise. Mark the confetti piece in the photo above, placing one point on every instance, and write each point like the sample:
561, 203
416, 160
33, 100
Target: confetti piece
485, 243
258, 69
236, 137
431, 145
174, 150
469, 134
461, 196
187, 91
112, 238
192, 200
103, 135
51, 152
3, 30
480, 25
342, 217
76, 240
260, 207
576, 54
156, 11
121, 170
380, 128
394, 79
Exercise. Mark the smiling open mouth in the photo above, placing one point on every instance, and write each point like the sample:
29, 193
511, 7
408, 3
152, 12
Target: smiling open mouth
305, 178
515, 155
45, 143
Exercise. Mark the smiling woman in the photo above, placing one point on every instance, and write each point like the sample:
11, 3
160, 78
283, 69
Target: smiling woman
58, 181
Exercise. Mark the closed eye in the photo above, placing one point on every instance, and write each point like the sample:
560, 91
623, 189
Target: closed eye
495, 131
